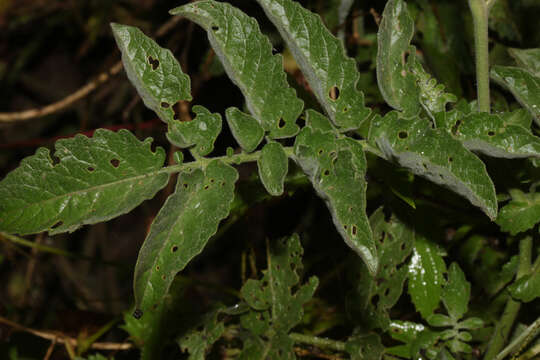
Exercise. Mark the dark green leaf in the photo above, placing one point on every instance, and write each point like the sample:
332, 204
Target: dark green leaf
200, 132
397, 84
526, 288
153, 70
365, 346
529, 59
273, 167
521, 213
245, 129
456, 293
439, 320
522, 84
247, 57
95, 179
435, 155
198, 342
331, 74
182, 228
336, 168
426, 270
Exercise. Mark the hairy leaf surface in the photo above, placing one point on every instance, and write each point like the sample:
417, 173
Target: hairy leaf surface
276, 307
245, 129
521, 213
95, 179
273, 166
490, 134
336, 168
397, 84
153, 70
435, 155
200, 132
247, 57
529, 59
374, 296
182, 228
331, 74
522, 84
426, 270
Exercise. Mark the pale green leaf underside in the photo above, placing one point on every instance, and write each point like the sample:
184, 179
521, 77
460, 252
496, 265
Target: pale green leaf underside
397, 84
336, 168
247, 132
277, 308
521, 213
153, 70
529, 59
435, 155
456, 293
426, 270
182, 228
490, 134
522, 84
96, 179
200, 132
247, 57
331, 74
273, 166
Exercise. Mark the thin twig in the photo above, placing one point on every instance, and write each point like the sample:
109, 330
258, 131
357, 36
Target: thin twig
62, 338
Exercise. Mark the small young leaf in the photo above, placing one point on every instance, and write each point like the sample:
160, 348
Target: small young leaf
331, 74
529, 59
336, 168
96, 179
397, 85
526, 288
273, 167
153, 70
456, 293
181, 229
276, 307
247, 57
197, 343
426, 276
201, 131
435, 155
439, 320
522, 84
521, 213
245, 129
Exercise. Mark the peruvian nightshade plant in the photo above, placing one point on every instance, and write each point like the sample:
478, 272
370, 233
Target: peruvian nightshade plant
429, 132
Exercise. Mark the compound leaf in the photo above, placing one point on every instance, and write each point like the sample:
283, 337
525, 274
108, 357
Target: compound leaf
95, 179
426, 270
374, 296
182, 228
153, 70
529, 59
273, 167
521, 213
336, 168
245, 129
202, 131
456, 293
396, 83
435, 155
331, 74
276, 309
247, 57
522, 84
490, 134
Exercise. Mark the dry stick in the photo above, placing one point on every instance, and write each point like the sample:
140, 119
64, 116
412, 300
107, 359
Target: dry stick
82, 92
62, 338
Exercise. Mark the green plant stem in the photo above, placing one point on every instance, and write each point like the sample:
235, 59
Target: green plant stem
522, 340
317, 341
506, 322
480, 13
